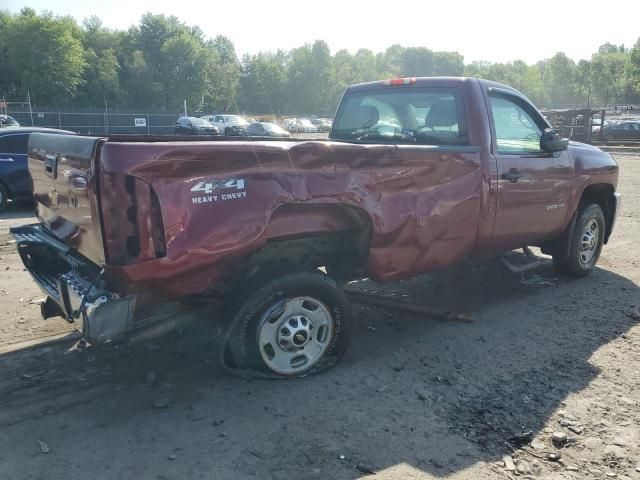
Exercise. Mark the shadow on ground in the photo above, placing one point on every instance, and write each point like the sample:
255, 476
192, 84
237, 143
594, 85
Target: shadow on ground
437, 396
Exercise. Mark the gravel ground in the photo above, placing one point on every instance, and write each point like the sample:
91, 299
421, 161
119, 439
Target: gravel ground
546, 357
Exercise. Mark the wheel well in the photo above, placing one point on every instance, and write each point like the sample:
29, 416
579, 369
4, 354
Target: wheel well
602, 194
335, 237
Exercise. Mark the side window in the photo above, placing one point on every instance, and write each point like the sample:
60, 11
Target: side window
219, 119
14, 144
516, 129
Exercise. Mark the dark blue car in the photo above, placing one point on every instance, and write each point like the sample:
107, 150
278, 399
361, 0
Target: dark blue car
15, 183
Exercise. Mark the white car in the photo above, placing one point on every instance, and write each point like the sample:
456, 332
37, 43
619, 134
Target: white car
300, 125
228, 125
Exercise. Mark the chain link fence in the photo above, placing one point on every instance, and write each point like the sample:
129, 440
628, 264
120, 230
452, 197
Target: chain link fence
96, 122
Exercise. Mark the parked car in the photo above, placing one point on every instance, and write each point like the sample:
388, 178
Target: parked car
7, 121
307, 126
417, 175
291, 124
15, 182
194, 126
265, 129
322, 124
299, 125
622, 131
229, 125
596, 124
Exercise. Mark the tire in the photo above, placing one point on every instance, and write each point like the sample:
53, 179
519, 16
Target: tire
585, 244
609, 139
291, 324
4, 196
228, 132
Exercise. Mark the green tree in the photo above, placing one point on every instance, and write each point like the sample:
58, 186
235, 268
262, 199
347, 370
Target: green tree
45, 56
448, 64
607, 75
633, 73
222, 75
264, 83
558, 77
7, 87
182, 67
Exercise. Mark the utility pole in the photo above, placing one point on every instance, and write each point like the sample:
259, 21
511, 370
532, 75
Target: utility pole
185, 108
30, 110
106, 118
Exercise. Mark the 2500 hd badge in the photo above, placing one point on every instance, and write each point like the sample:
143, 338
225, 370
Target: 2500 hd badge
204, 191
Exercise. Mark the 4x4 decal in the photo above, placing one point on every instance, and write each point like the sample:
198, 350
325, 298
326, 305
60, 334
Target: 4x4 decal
203, 192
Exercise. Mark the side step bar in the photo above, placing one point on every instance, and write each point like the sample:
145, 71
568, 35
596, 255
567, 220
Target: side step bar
527, 261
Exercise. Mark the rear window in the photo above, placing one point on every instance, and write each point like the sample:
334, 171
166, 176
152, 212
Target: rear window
424, 116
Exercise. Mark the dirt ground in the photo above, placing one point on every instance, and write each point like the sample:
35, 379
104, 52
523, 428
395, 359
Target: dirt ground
414, 398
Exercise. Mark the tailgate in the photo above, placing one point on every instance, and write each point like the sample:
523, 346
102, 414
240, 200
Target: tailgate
63, 170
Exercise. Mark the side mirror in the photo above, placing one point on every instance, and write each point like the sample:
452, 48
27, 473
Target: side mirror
551, 141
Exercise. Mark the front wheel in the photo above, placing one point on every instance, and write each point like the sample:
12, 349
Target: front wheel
294, 325
585, 244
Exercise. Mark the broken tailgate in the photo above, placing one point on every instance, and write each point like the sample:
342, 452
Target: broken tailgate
63, 171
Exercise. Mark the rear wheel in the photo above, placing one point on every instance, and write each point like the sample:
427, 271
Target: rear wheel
292, 325
4, 196
609, 138
228, 132
585, 244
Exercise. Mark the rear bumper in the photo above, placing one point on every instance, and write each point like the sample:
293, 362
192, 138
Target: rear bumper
73, 284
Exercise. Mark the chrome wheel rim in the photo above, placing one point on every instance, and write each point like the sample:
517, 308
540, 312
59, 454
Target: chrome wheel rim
294, 334
589, 241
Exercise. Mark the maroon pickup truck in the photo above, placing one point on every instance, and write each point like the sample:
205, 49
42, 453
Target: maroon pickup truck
417, 175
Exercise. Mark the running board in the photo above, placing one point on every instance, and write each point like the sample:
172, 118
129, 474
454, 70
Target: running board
531, 261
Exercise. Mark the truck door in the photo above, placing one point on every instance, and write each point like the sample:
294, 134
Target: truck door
533, 185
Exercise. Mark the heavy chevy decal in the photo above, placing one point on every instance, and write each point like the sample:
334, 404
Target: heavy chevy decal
206, 192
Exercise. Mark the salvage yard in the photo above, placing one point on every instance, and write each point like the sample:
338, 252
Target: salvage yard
543, 384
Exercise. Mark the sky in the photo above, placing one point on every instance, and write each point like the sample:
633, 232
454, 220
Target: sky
491, 30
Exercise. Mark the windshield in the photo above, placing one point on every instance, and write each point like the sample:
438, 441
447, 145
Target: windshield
200, 122
425, 116
273, 128
235, 119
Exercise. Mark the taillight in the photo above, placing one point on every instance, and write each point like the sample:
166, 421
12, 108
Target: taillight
399, 81
133, 225
157, 226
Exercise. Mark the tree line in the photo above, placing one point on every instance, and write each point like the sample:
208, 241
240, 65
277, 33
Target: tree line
162, 61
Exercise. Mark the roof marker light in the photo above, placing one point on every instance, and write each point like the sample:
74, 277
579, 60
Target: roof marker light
399, 81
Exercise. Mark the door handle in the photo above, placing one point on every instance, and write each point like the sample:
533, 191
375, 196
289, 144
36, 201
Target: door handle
512, 175
8, 159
